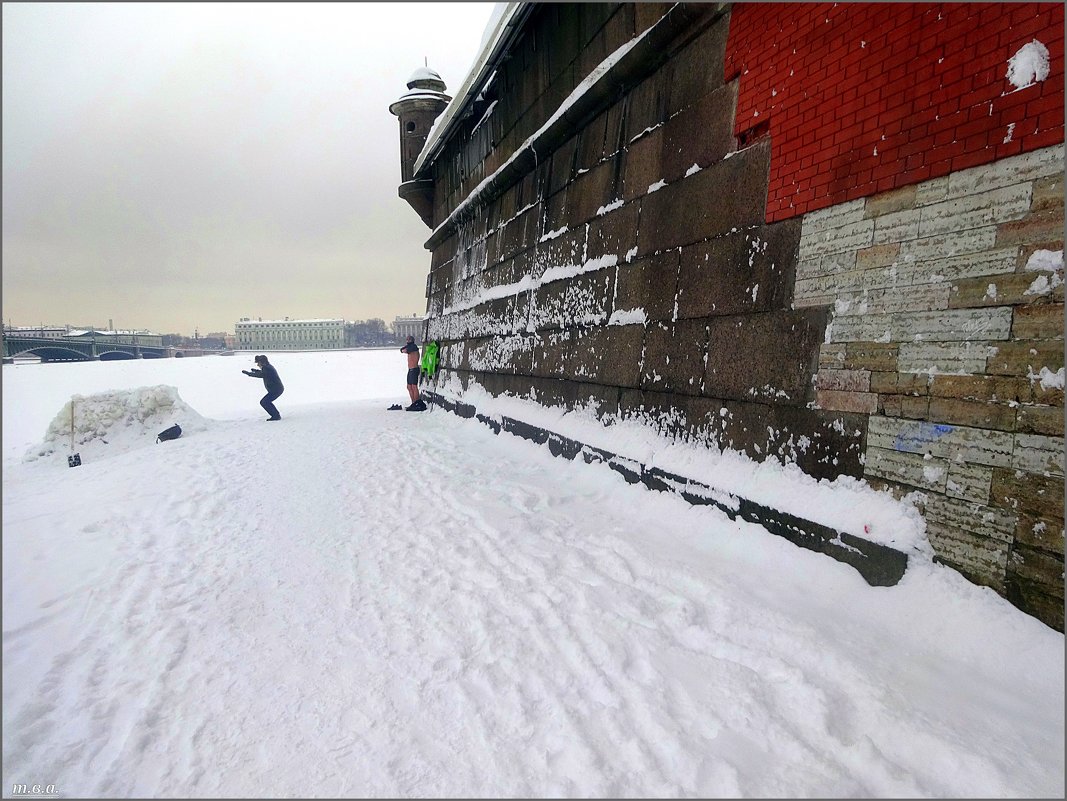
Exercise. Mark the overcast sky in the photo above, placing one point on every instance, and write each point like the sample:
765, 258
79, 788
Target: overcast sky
181, 165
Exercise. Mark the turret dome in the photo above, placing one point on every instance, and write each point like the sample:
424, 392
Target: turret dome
426, 79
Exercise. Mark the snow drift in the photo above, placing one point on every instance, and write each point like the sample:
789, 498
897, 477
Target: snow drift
110, 423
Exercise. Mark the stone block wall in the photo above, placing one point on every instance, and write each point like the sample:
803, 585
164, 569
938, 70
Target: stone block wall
627, 256
632, 268
947, 329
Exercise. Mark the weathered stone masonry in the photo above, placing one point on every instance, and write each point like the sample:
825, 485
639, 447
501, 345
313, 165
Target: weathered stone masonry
606, 232
942, 331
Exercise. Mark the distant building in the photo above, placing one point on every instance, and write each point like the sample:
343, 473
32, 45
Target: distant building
120, 336
404, 327
289, 334
42, 332
145, 337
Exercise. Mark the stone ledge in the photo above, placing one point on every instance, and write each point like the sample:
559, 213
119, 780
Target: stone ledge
880, 565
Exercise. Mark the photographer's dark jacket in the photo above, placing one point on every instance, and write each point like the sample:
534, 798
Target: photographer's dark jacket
270, 378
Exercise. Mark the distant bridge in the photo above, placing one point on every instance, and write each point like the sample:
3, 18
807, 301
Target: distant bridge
80, 349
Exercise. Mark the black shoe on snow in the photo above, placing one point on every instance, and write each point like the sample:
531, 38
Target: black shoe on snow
417, 406
396, 407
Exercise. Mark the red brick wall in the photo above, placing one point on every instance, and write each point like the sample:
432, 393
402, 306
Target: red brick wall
860, 98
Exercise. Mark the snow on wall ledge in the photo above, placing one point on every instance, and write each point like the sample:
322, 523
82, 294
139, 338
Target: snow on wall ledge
844, 519
947, 330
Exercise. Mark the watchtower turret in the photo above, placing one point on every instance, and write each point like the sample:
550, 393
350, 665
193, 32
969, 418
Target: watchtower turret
417, 110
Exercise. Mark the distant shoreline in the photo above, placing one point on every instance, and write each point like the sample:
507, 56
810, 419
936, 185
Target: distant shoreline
24, 360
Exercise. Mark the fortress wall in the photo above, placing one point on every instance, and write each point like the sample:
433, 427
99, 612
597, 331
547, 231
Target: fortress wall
611, 231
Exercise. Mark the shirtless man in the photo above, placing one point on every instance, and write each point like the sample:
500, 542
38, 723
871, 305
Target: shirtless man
412, 351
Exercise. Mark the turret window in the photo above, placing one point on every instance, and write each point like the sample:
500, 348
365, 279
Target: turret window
410, 127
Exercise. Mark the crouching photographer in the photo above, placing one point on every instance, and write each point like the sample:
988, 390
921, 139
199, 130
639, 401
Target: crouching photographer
271, 381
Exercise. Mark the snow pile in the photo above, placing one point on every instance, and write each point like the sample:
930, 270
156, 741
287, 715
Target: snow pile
1049, 379
1051, 260
109, 423
1045, 261
628, 317
478, 294
552, 234
1029, 65
561, 271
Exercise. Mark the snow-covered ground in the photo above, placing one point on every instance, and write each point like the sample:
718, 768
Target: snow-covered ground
355, 602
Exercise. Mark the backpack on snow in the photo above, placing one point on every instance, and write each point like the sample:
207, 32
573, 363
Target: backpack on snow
173, 432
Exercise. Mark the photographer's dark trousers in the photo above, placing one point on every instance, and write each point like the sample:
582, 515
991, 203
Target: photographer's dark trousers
267, 402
